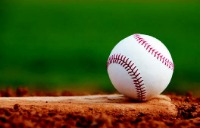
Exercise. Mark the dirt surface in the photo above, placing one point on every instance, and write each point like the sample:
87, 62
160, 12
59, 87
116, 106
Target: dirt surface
95, 110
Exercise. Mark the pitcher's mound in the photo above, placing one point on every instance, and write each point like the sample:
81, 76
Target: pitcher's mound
91, 111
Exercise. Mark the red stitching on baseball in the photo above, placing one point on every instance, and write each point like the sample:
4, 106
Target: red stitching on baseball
132, 71
154, 52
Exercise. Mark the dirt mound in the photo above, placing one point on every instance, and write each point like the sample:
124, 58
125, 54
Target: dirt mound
18, 115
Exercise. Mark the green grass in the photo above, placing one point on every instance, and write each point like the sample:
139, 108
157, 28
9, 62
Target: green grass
58, 44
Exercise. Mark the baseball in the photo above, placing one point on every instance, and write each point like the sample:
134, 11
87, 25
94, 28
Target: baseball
140, 67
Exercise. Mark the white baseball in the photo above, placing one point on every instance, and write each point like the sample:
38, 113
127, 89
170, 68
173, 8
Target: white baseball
140, 67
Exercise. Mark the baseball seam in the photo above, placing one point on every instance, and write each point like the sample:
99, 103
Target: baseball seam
132, 71
154, 52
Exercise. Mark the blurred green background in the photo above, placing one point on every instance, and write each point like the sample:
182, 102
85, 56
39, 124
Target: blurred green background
60, 44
